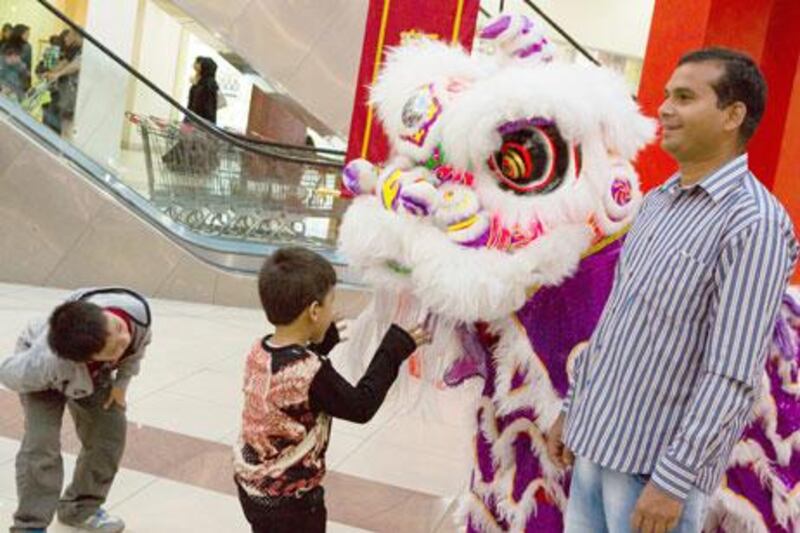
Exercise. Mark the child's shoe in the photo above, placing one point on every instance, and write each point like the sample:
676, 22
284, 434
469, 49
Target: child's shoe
101, 522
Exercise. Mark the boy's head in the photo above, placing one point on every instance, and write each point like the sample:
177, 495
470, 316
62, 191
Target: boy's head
296, 288
82, 331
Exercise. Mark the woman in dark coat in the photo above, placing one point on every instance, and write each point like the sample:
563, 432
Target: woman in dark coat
195, 152
203, 93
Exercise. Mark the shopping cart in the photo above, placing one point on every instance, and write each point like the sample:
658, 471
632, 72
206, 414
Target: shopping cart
213, 186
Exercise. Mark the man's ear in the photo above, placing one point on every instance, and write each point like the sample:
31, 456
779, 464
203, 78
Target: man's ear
735, 115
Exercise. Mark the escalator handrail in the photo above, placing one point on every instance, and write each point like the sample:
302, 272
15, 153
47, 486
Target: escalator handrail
293, 147
248, 145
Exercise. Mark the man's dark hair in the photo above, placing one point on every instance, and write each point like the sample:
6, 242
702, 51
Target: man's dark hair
78, 330
290, 280
741, 81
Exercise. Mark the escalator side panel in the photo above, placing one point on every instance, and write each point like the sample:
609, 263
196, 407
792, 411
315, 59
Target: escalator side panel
62, 230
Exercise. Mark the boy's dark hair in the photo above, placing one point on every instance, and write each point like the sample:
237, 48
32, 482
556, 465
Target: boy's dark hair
741, 81
78, 330
290, 280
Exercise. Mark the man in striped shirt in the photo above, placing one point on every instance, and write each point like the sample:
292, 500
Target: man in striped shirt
665, 387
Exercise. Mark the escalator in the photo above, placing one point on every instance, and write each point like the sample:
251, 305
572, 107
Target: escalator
180, 210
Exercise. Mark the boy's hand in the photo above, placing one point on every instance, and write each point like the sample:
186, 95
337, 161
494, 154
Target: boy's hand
420, 335
117, 396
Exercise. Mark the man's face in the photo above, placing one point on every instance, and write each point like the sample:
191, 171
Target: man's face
693, 126
117, 341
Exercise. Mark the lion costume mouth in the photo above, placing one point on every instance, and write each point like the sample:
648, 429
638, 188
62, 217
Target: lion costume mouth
533, 158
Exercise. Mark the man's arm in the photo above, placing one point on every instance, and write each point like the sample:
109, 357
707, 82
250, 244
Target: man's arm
578, 362
751, 278
332, 394
566, 403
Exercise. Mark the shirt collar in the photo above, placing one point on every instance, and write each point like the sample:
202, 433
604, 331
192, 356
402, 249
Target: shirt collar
719, 183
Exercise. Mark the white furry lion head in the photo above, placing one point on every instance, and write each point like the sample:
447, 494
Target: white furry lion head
505, 165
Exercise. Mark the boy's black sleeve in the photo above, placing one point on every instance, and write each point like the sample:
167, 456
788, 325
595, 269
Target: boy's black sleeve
328, 343
332, 394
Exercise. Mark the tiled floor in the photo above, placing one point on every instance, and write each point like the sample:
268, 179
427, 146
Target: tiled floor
400, 472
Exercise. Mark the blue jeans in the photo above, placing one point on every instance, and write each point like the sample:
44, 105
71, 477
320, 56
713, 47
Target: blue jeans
602, 500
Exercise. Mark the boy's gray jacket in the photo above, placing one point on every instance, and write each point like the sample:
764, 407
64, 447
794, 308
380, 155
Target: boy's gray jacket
34, 367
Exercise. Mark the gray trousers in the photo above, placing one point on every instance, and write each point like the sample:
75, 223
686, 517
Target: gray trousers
40, 468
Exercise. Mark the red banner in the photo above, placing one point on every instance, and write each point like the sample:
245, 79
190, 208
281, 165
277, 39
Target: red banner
389, 22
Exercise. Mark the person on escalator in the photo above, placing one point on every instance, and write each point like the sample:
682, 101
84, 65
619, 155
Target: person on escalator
51, 56
14, 76
6, 35
204, 90
83, 358
64, 79
19, 37
195, 152
291, 391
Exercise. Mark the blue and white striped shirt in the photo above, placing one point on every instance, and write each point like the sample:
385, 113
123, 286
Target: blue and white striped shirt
670, 375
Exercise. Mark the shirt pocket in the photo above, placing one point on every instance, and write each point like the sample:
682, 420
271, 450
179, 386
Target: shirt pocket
679, 292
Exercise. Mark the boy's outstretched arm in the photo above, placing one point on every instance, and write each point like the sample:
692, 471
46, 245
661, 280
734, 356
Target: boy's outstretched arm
332, 394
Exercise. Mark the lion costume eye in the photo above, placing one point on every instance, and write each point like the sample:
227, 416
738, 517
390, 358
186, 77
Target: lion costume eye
533, 159
419, 114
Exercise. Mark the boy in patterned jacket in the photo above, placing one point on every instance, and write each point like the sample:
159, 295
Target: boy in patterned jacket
291, 391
